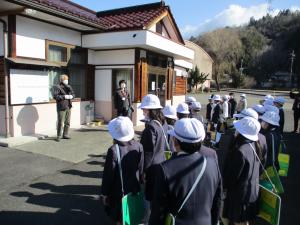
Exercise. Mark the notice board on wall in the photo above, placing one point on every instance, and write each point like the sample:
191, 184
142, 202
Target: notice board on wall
29, 86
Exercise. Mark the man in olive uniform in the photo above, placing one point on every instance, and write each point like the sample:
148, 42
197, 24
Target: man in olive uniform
63, 94
122, 100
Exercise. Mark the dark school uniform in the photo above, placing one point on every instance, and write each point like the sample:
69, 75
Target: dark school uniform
132, 160
154, 145
174, 180
241, 183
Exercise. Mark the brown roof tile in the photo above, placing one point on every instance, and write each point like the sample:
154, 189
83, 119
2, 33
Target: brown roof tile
135, 17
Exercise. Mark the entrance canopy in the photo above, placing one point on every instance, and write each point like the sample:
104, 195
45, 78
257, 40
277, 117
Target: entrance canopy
137, 39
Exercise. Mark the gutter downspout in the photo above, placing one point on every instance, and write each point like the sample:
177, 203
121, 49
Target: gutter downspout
7, 134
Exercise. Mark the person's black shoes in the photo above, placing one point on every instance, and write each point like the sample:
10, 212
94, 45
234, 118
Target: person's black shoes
57, 139
66, 137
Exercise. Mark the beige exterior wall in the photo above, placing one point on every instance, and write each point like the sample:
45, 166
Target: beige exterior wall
203, 61
39, 119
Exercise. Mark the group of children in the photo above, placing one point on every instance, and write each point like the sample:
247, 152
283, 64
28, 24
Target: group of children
190, 185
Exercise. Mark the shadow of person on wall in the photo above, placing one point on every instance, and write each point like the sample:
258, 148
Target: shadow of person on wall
27, 118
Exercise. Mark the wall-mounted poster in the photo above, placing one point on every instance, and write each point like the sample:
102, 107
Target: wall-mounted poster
29, 86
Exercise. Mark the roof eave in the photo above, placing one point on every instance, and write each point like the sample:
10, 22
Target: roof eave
45, 9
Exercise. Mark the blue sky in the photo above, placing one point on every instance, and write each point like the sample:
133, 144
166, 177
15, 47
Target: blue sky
197, 16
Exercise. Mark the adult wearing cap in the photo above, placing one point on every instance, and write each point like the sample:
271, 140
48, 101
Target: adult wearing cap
279, 102
122, 100
296, 109
241, 174
183, 111
242, 104
153, 139
175, 178
233, 103
132, 159
209, 108
63, 94
170, 115
216, 111
189, 101
270, 128
196, 108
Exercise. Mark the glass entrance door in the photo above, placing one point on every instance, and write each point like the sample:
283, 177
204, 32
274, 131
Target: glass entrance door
157, 86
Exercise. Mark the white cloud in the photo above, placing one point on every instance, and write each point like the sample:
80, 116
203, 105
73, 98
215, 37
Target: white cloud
234, 15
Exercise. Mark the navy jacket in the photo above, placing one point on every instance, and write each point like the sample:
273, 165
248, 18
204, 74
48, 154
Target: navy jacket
175, 178
272, 158
216, 114
59, 93
281, 121
233, 106
132, 159
241, 182
154, 145
208, 111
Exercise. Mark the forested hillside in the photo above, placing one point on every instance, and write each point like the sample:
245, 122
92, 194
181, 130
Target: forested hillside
261, 48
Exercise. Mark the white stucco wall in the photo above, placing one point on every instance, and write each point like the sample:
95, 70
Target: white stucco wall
113, 57
103, 85
178, 99
42, 118
139, 38
31, 36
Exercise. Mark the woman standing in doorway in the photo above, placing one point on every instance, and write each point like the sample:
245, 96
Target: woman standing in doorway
123, 100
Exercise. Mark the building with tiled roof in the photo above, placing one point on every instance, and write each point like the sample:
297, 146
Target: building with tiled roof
46, 38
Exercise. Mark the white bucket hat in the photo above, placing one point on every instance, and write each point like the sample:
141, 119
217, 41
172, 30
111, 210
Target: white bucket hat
280, 100
247, 113
183, 108
243, 95
268, 102
271, 117
121, 129
217, 98
248, 127
268, 97
150, 101
196, 106
271, 108
189, 130
170, 112
259, 109
190, 99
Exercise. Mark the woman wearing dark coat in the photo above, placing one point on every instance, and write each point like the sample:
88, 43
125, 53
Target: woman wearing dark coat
241, 174
296, 109
122, 100
132, 159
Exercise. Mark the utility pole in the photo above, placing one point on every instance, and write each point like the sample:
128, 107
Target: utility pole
293, 56
241, 67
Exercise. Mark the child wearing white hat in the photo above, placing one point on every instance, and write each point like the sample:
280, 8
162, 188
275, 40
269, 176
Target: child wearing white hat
189, 100
279, 102
131, 156
196, 108
171, 116
183, 111
175, 179
241, 160
270, 128
153, 139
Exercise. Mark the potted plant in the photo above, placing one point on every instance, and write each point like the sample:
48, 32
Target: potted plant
89, 116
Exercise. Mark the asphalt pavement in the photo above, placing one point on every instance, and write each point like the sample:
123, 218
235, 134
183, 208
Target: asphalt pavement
45, 182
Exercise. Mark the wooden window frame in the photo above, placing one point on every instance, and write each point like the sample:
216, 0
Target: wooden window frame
59, 44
